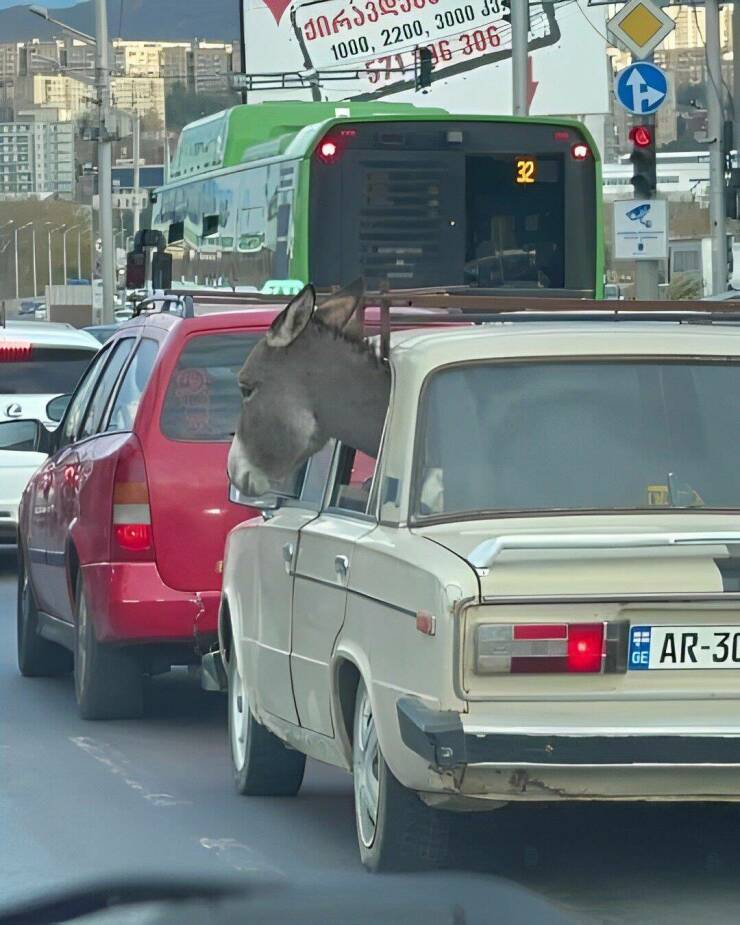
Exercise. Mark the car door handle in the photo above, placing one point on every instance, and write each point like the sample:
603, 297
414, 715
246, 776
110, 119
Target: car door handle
288, 552
341, 566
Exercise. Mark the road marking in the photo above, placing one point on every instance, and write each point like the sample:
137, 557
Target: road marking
117, 764
240, 856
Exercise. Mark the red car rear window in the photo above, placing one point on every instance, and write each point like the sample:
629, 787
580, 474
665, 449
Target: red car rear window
203, 401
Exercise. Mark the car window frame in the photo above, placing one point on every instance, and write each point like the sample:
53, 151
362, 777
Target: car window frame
97, 366
369, 515
105, 420
122, 371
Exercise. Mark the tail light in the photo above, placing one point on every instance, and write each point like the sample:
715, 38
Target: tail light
15, 351
331, 146
540, 648
580, 151
132, 520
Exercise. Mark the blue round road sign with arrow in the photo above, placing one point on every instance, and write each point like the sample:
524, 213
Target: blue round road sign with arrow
641, 88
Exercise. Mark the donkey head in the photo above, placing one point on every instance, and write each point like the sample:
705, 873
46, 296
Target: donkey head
311, 378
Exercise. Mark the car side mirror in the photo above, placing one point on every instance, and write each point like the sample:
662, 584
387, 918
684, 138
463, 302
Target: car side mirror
270, 501
24, 436
57, 407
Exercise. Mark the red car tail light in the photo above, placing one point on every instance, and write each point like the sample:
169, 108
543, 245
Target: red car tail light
540, 648
132, 519
15, 351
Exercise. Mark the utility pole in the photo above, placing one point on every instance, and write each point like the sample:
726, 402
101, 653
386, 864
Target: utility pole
15, 242
736, 71
105, 160
717, 222
137, 158
519, 51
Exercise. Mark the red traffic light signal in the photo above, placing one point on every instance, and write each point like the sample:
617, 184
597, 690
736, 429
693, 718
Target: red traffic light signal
641, 136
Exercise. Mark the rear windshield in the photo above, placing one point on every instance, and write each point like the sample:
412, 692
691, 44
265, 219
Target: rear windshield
46, 372
579, 436
203, 400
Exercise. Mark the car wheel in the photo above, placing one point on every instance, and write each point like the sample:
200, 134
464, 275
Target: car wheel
37, 657
395, 830
263, 765
109, 683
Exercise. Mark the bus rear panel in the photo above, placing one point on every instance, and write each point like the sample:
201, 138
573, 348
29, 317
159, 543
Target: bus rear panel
492, 205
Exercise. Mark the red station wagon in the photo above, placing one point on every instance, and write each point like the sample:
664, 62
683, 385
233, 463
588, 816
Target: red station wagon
122, 530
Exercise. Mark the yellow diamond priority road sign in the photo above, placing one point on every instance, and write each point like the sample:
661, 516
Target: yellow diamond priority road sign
640, 26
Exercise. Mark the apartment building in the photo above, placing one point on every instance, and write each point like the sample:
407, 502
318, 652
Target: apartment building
37, 157
144, 95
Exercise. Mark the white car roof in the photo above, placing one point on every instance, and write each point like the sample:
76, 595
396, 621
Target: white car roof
426, 349
48, 334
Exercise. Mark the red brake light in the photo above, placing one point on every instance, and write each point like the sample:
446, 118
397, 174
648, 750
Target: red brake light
585, 647
540, 648
331, 146
561, 136
135, 537
580, 151
641, 136
13, 351
132, 537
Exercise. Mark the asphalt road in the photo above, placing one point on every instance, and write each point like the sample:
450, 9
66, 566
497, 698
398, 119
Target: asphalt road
80, 800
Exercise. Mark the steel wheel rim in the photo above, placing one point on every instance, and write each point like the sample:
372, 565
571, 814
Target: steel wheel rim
366, 763
239, 712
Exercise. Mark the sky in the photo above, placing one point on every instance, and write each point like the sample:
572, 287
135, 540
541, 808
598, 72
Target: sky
51, 4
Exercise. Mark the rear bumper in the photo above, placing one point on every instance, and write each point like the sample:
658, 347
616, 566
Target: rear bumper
130, 603
441, 740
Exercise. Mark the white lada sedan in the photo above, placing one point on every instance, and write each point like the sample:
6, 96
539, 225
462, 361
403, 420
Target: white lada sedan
532, 595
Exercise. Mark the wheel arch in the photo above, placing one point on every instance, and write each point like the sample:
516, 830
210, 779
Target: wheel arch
348, 669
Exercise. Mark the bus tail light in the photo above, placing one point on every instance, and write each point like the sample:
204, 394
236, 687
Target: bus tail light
540, 648
331, 146
580, 151
132, 520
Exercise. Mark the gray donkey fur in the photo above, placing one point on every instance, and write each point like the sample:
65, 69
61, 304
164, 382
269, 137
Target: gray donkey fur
310, 379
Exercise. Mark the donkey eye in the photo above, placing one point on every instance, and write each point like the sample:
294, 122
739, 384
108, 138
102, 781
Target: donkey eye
247, 391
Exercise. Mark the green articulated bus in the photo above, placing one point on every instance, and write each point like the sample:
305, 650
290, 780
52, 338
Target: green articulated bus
406, 197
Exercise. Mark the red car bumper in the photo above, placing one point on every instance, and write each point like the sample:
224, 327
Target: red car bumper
130, 603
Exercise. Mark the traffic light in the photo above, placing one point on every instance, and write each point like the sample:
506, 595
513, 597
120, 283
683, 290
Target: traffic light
644, 178
425, 67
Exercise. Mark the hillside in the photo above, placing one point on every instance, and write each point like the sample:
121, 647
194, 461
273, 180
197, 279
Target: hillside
142, 19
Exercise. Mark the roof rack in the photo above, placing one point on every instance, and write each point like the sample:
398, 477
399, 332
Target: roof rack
181, 305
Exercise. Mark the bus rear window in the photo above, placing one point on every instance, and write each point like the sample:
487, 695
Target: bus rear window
46, 371
203, 401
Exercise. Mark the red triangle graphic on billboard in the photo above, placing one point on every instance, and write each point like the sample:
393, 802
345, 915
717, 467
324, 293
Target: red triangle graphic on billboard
277, 8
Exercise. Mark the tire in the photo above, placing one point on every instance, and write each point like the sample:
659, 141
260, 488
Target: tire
263, 765
395, 830
109, 684
37, 657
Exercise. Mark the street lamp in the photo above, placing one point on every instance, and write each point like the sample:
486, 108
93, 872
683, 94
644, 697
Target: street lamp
43, 12
64, 244
50, 232
33, 244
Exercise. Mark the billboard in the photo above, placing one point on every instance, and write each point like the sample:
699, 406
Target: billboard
365, 49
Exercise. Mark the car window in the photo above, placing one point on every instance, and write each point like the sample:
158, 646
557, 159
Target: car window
314, 483
137, 376
203, 401
27, 369
353, 481
574, 436
105, 386
78, 405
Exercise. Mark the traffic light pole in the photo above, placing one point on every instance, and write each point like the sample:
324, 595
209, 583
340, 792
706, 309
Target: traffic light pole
519, 50
717, 221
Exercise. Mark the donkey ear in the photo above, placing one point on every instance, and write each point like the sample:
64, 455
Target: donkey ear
338, 311
292, 321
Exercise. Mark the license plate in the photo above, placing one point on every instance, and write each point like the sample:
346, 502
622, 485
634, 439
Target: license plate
683, 647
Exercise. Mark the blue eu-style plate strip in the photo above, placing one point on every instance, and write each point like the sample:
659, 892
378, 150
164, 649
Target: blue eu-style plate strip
639, 651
